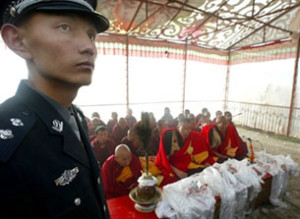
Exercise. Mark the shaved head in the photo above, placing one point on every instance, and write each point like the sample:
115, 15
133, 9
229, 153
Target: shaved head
123, 155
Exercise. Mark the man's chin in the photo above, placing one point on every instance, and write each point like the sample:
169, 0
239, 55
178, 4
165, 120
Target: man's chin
84, 82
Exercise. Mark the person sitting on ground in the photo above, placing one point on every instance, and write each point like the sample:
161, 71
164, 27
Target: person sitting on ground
206, 119
155, 137
218, 113
222, 138
130, 119
90, 128
133, 142
194, 126
120, 130
103, 145
95, 114
168, 117
243, 145
177, 119
95, 122
112, 122
199, 120
152, 120
204, 110
182, 152
143, 132
187, 113
120, 172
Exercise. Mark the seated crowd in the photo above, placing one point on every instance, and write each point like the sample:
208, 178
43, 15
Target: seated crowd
176, 149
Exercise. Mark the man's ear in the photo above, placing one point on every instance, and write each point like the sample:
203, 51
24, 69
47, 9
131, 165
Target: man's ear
13, 38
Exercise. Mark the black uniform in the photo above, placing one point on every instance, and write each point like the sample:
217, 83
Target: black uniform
45, 170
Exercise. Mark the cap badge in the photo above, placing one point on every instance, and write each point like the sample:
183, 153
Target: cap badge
67, 177
57, 125
16, 122
6, 134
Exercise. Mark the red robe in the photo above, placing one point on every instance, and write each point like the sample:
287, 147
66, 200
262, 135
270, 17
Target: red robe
110, 124
105, 151
243, 146
111, 170
230, 145
119, 132
131, 121
193, 148
154, 142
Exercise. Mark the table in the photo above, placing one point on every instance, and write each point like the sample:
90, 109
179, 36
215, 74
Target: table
123, 207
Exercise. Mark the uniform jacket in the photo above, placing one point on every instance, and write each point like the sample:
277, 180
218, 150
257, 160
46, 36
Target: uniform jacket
45, 171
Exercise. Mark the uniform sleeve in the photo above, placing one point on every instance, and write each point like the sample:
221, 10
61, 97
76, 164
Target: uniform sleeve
15, 199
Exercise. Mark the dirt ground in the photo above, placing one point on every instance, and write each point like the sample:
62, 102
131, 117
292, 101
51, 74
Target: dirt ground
273, 145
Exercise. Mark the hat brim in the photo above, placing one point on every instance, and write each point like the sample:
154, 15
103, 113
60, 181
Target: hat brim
100, 22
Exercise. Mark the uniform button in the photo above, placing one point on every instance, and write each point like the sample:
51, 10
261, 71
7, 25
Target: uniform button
77, 201
104, 208
98, 180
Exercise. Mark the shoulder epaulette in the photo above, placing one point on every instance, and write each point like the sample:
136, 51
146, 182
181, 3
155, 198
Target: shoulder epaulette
15, 122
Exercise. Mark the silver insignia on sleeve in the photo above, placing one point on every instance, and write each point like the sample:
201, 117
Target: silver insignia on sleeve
6, 134
16, 122
57, 125
67, 177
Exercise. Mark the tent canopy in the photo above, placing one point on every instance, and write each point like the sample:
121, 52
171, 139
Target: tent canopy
219, 24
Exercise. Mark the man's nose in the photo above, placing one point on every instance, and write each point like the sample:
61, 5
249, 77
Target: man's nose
87, 45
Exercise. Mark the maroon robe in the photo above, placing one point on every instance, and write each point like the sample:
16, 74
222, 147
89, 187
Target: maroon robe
118, 133
131, 121
154, 142
110, 124
111, 170
243, 146
102, 152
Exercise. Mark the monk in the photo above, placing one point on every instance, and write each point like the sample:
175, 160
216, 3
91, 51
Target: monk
119, 130
130, 119
120, 172
182, 152
223, 138
133, 141
243, 145
103, 145
112, 122
155, 137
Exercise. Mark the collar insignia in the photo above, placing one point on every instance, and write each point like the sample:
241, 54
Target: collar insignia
57, 125
6, 134
16, 122
66, 177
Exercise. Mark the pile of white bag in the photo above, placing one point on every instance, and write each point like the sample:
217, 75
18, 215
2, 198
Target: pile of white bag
281, 168
237, 183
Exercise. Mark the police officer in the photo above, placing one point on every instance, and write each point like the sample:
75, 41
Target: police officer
47, 167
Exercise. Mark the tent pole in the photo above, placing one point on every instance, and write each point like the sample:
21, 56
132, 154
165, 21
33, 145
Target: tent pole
127, 73
293, 89
184, 76
227, 82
